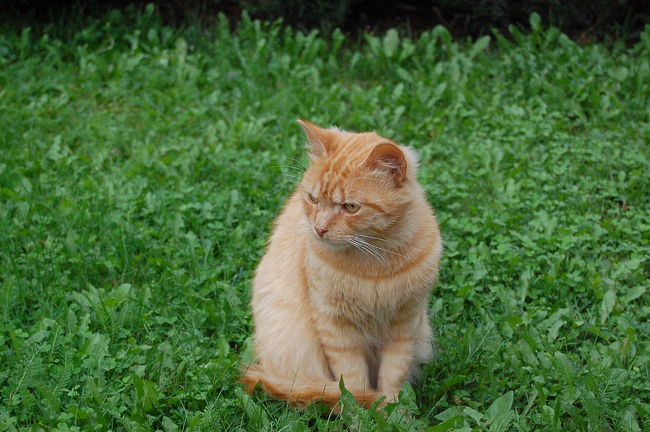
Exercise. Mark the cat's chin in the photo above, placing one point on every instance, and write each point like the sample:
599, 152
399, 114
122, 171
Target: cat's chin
335, 245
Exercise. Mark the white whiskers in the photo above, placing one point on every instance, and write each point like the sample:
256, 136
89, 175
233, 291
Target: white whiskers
294, 173
367, 249
374, 248
378, 238
359, 242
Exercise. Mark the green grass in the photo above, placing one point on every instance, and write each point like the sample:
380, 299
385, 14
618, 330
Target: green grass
141, 168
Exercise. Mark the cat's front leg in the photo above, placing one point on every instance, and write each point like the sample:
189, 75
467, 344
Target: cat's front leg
398, 354
345, 350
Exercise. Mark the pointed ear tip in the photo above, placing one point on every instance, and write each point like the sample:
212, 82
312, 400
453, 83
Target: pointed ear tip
304, 123
309, 127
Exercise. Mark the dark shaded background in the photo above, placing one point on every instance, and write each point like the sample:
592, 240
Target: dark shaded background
585, 21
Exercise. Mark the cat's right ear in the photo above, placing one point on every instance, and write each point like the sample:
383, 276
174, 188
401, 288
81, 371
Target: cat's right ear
320, 139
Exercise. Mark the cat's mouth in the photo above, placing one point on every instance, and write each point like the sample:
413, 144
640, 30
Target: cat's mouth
332, 242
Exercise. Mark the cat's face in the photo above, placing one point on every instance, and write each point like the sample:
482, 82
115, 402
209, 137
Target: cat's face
356, 187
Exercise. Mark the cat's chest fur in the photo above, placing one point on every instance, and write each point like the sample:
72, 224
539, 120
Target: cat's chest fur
361, 300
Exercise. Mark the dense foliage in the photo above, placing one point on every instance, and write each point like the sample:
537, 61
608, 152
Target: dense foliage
141, 168
581, 20
584, 21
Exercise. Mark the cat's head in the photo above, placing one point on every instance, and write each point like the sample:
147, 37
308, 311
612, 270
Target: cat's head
357, 187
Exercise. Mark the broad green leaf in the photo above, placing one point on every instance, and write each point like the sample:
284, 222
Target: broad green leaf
257, 417
565, 366
633, 294
407, 399
627, 267
117, 296
146, 393
499, 415
391, 42
169, 425
479, 46
454, 411
554, 330
629, 423
607, 305
451, 424
349, 403
535, 21
475, 415
499, 407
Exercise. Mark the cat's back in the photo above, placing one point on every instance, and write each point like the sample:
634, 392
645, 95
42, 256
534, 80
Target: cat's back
281, 262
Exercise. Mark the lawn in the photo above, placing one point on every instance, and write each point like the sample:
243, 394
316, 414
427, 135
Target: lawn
141, 167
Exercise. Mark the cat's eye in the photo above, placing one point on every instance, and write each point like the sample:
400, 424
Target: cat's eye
351, 207
312, 199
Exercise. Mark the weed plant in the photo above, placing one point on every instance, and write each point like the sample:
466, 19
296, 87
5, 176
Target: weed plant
141, 168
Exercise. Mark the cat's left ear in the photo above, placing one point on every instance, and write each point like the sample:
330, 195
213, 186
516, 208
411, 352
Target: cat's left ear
389, 158
320, 139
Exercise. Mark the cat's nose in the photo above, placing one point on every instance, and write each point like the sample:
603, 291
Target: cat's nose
320, 231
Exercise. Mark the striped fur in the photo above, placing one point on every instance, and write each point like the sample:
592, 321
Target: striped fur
352, 302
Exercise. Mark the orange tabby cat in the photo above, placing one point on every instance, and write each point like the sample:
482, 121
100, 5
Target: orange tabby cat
343, 288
